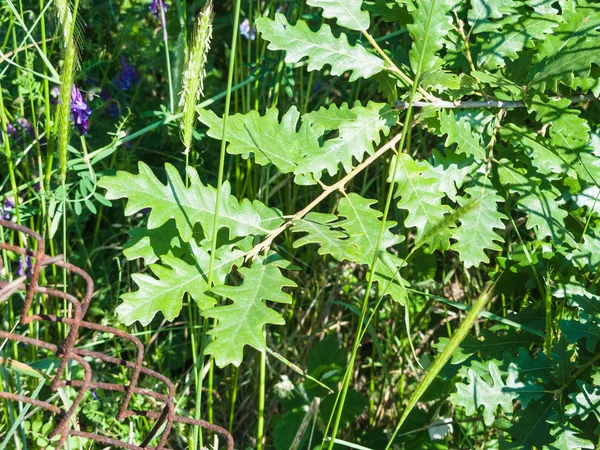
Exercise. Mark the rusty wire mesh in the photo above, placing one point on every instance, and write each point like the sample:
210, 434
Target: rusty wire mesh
68, 351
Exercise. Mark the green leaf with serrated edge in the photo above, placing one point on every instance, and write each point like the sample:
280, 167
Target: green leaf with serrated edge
151, 244
497, 80
531, 427
390, 10
570, 51
482, 369
264, 136
577, 296
440, 81
452, 171
468, 347
321, 48
347, 13
484, 14
537, 367
516, 32
587, 253
567, 439
585, 327
537, 198
542, 6
354, 238
589, 198
187, 205
175, 277
460, 133
500, 394
476, 231
419, 194
320, 229
588, 164
562, 360
387, 86
584, 402
566, 125
545, 157
243, 322
431, 23
358, 129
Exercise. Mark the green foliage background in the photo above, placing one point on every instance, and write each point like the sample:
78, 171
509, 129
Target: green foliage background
388, 162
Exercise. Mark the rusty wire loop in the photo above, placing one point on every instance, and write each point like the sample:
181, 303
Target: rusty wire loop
67, 351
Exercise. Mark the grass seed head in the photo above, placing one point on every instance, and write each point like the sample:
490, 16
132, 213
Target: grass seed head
195, 71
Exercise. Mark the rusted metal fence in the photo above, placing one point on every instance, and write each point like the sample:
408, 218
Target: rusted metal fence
68, 351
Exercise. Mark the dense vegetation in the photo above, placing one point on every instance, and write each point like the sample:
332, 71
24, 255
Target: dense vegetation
334, 223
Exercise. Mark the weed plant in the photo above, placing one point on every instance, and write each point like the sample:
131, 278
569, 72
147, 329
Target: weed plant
334, 223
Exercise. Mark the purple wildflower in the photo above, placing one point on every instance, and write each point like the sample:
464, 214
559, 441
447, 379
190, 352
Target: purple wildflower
156, 4
247, 31
24, 269
80, 111
128, 77
94, 394
7, 208
26, 126
11, 130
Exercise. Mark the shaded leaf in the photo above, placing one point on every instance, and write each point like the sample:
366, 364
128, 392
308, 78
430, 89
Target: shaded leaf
587, 253
477, 393
460, 133
585, 402
570, 51
484, 14
562, 361
585, 327
151, 244
452, 171
538, 199
515, 33
579, 297
567, 439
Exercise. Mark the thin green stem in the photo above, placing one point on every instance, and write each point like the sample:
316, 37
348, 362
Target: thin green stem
260, 428
163, 22
218, 199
